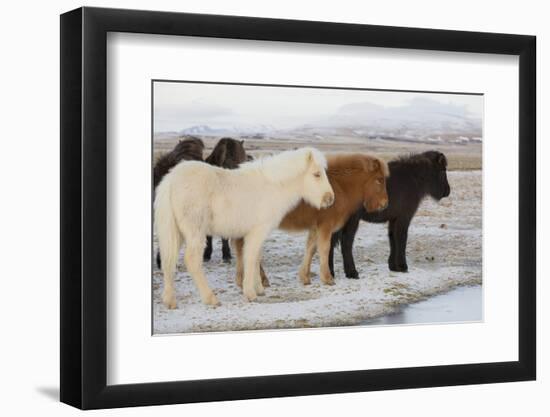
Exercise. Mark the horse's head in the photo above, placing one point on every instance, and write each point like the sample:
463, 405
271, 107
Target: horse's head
190, 148
375, 196
236, 154
438, 185
317, 189
228, 153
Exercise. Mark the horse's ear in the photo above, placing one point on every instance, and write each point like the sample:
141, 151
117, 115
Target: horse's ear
242, 141
442, 160
373, 165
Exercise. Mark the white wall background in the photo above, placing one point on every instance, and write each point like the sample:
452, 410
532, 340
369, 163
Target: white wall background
29, 175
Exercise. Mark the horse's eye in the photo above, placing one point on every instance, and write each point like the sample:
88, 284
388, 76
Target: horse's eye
317, 175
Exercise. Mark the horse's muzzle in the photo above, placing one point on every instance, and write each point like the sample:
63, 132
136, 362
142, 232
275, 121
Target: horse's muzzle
328, 200
383, 205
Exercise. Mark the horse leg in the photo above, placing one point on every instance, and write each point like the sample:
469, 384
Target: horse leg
391, 236
265, 281
159, 262
208, 250
238, 245
323, 244
401, 233
238, 248
311, 247
252, 285
226, 251
348, 236
193, 262
333, 242
169, 257
258, 284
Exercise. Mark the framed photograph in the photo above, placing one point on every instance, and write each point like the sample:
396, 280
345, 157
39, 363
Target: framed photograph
256, 208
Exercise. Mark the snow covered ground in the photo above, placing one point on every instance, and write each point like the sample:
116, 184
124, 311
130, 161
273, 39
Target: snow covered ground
444, 252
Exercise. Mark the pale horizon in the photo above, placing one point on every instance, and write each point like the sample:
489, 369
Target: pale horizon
181, 105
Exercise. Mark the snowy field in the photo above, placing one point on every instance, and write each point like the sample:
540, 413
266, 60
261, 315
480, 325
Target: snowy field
444, 252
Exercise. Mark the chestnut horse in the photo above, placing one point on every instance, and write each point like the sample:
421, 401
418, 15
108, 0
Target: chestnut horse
358, 180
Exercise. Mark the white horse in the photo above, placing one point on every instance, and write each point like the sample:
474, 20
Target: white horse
195, 200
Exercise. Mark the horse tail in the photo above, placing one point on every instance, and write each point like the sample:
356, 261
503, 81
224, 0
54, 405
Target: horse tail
168, 233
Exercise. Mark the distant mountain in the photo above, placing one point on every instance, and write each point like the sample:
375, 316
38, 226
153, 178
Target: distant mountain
199, 130
236, 130
421, 115
421, 120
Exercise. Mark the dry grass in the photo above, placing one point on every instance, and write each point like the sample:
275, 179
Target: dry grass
456, 161
460, 157
444, 251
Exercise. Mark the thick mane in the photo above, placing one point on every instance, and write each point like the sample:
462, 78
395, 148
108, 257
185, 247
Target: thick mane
188, 149
416, 169
344, 163
286, 165
348, 163
419, 163
385, 168
228, 153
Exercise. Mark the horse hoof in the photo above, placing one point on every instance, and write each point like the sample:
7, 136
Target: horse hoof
259, 288
353, 275
305, 279
329, 282
226, 260
250, 295
169, 302
265, 282
211, 300
399, 268
260, 292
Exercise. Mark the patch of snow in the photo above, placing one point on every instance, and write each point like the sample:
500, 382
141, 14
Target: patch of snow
444, 251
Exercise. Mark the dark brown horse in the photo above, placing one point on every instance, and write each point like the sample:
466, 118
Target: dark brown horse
412, 178
188, 149
228, 153
358, 180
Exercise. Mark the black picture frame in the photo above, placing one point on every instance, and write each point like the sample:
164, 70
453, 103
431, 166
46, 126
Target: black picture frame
84, 207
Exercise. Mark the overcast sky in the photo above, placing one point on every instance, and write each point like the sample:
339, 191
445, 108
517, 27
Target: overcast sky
181, 105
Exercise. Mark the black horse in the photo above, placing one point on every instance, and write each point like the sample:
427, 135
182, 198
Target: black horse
411, 179
188, 149
228, 153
